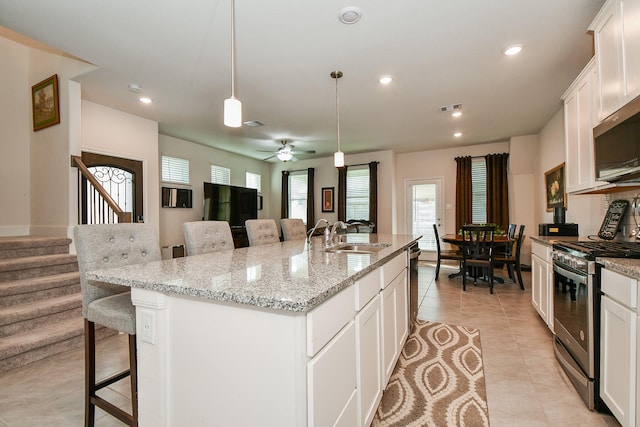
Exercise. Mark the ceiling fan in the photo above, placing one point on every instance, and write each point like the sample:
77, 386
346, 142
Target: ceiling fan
286, 151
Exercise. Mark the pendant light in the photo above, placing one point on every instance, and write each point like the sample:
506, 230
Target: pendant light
338, 156
232, 105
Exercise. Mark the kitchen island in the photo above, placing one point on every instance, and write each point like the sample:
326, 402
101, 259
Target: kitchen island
281, 334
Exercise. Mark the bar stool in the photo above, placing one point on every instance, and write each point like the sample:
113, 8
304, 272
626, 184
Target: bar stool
102, 246
262, 231
293, 229
202, 237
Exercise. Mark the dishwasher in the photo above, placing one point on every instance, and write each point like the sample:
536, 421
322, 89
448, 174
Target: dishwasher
413, 254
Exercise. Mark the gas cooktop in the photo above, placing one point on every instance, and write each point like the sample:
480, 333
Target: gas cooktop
594, 248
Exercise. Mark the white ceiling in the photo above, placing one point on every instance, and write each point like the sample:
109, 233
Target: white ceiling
439, 52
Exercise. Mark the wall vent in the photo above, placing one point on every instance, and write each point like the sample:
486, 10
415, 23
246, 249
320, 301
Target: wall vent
451, 107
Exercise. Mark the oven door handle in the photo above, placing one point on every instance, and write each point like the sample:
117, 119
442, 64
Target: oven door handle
578, 278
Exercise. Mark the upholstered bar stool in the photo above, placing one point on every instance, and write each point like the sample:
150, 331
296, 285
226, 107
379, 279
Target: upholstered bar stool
262, 231
202, 237
102, 246
293, 229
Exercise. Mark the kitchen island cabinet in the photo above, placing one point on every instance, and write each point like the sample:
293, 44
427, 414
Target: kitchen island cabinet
280, 334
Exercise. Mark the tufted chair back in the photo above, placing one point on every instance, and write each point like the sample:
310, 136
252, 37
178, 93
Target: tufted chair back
202, 237
111, 245
293, 229
262, 231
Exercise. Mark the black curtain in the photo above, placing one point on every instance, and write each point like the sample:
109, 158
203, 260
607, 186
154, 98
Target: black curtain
284, 197
310, 199
464, 194
342, 194
497, 189
373, 195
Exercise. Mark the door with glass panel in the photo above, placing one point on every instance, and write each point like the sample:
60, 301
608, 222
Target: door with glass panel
423, 207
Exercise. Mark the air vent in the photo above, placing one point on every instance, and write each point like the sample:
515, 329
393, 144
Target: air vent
253, 123
452, 107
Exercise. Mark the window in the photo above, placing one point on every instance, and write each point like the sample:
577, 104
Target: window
358, 193
220, 175
479, 191
253, 180
298, 195
175, 170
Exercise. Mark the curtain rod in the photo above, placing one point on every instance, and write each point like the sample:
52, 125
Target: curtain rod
364, 164
359, 164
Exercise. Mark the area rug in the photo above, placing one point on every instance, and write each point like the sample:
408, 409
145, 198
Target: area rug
438, 380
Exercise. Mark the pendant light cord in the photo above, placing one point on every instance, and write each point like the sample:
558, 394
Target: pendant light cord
233, 48
337, 108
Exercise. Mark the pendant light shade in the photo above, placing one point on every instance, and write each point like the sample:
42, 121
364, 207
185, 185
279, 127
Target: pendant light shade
232, 105
338, 156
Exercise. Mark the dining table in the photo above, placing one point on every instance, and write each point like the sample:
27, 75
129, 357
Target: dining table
456, 240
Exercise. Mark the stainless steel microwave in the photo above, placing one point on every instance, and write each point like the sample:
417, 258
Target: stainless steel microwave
617, 145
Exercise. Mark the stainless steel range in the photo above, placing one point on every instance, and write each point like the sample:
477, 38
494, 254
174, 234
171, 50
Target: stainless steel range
576, 310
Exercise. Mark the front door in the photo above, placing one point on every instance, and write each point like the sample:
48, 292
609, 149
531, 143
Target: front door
423, 205
122, 178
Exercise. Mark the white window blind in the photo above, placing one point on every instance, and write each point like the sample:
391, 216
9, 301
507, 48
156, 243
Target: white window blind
423, 203
220, 175
479, 191
298, 196
175, 169
358, 193
253, 180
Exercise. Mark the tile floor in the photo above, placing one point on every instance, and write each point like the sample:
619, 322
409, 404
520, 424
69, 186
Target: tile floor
525, 386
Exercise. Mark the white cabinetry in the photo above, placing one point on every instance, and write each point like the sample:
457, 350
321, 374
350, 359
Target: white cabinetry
618, 345
617, 43
579, 118
542, 281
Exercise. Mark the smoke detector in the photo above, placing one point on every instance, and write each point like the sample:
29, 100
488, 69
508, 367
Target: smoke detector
350, 15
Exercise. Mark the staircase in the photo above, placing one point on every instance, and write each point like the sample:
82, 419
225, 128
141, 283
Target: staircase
40, 300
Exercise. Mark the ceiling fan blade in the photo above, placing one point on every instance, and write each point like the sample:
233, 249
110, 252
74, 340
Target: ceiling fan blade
266, 151
304, 151
268, 158
293, 159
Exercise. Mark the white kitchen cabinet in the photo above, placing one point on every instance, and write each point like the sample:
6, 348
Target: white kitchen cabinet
618, 341
542, 281
369, 356
394, 314
631, 46
607, 32
579, 119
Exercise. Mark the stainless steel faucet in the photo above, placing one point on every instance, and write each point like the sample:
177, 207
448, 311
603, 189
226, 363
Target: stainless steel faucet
332, 234
314, 229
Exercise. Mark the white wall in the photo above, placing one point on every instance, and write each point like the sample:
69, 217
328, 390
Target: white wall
200, 160
114, 133
326, 175
15, 122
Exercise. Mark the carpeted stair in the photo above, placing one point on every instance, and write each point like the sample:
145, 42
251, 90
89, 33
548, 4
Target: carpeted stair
40, 300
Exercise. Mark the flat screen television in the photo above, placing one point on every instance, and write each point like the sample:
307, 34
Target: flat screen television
230, 203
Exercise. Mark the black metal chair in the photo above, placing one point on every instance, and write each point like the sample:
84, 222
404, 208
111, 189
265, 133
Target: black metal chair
477, 253
514, 260
446, 254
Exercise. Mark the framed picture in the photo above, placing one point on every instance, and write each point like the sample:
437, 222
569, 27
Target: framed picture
44, 102
554, 183
327, 199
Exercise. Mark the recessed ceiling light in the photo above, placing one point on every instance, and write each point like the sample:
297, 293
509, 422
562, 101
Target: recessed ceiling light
135, 88
145, 100
385, 80
350, 15
456, 113
513, 49
457, 134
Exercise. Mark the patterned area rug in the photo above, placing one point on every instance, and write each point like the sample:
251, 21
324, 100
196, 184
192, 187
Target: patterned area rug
438, 380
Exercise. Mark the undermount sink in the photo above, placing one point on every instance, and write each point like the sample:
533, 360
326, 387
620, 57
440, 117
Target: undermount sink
358, 248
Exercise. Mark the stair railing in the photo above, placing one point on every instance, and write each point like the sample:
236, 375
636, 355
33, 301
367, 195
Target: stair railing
102, 209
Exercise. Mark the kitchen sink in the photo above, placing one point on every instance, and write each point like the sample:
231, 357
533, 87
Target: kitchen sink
358, 248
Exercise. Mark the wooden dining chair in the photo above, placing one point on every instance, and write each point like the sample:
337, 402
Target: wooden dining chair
514, 260
477, 253
445, 254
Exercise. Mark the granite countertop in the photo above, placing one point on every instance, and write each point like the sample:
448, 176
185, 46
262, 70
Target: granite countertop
626, 266
285, 276
550, 240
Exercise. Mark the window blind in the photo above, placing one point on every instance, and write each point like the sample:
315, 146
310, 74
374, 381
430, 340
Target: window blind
175, 169
357, 205
220, 175
253, 180
298, 196
479, 191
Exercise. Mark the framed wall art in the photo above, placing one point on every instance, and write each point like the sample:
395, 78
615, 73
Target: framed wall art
327, 199
554, 182
44, 102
